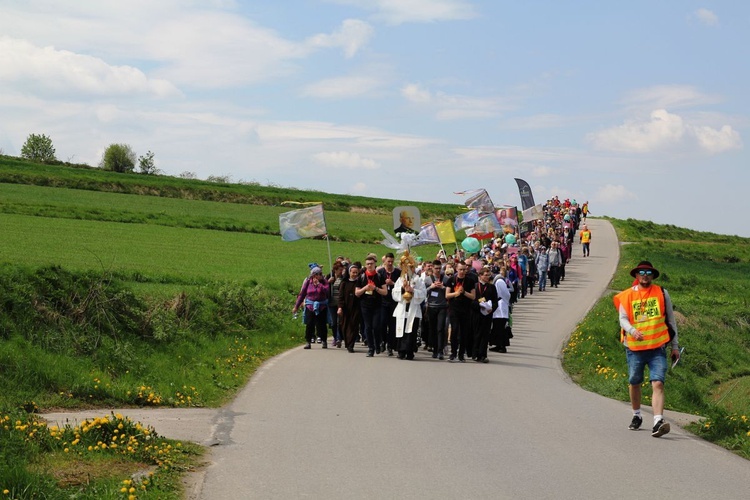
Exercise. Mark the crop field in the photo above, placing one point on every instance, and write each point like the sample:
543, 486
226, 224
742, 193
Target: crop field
169, 240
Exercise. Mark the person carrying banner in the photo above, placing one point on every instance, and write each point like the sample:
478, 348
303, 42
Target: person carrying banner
585, 238
314, 294
648, 331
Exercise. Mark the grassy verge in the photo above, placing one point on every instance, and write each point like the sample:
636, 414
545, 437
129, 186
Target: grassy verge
108, 457
708, 278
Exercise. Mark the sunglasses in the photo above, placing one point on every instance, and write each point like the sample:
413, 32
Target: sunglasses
645, 273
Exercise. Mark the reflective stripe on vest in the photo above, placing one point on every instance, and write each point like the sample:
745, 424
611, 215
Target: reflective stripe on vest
648, 314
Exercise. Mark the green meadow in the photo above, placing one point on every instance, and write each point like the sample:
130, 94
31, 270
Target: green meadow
131, 290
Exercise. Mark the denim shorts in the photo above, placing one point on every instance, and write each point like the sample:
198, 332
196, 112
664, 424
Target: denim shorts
656, 359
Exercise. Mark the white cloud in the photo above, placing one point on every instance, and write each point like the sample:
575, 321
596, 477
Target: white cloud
415, 11
352, 36
454, 106
358, 188
343, 87
318, 131
612, 194
343, 159
662, 131
669, 97
706, 17
47, 69
717, 141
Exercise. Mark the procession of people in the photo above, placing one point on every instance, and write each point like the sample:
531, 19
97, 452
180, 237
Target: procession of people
457, 306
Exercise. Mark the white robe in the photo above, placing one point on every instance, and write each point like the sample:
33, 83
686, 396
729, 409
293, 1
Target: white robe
415, 310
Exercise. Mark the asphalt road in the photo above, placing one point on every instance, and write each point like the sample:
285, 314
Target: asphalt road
329, 424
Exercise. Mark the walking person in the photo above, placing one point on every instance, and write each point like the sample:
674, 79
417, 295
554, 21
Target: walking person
314, 294
389, 274
648, 332
485, 304
334, 282
585, 239
500, 336
437, 310
542, 265
409, 293
460, 294
369, 292
555, 261
349, 312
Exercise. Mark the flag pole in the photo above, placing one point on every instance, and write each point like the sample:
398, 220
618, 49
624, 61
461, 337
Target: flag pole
328, 242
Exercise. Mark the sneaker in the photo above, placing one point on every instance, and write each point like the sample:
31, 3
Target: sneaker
307, 346
661, 428
635, 424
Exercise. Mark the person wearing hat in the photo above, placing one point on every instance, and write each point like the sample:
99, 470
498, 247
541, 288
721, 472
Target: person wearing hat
648, 331
314, 294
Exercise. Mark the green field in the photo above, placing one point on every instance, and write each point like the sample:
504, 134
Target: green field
130, 290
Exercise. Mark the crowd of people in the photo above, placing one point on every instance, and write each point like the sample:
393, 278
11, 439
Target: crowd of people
457, 306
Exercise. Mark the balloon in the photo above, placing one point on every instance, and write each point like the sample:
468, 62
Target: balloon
471, 245
510, 238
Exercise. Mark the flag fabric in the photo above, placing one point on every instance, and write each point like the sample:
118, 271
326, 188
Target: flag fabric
524, 190
445, 232
480, 200
486, 225
533, 213
467, 220
428, 235
507, 217
303, 223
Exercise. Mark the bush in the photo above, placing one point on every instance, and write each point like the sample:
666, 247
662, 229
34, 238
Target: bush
38, 148
118, 158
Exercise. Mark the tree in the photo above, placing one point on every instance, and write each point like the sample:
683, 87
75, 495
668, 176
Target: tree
38, 148
188, 175
118, 158
146, 164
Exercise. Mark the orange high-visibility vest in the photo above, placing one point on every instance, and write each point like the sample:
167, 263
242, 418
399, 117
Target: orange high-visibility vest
646, 312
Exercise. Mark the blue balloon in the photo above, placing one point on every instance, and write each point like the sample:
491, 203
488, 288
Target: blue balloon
471, 245
510, 238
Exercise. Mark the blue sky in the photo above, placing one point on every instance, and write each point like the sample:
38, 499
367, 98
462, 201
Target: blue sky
639, 107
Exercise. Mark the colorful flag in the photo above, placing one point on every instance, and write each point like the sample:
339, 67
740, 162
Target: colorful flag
302, 223
467, 220
479, 199
428, 235
486, 225
507, 217
445, 232
524, 190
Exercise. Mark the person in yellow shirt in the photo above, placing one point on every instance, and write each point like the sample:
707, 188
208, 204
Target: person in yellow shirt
585, 239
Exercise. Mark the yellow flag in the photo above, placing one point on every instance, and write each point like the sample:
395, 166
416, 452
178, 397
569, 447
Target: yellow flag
445, 231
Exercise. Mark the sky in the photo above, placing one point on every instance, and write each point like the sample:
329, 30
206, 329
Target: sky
641, 108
